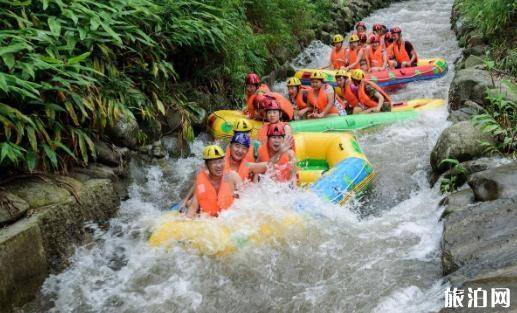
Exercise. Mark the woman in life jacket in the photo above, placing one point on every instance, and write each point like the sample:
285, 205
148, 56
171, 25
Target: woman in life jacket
369, 97
404, 51
273, 117
278, 153
354, 54
376, 56
388, 46
254, 87
337, 54
298, 95
322, 97
363, 46
360, 28
216, 186
342, 84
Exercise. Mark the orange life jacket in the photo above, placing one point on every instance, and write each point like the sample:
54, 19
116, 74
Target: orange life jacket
320, 102
400, 52
285, 105
243, 170
375, 58
350, 97
301, 97
263, 88
389, 51
282, 169
337, 58
210, 201
352, 57
366, 100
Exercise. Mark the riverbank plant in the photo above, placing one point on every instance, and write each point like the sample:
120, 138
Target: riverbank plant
69, 69
454, 178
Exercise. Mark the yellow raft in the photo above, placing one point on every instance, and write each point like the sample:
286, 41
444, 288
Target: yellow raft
220, 123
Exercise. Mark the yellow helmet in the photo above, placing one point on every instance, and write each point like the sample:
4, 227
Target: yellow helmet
293, 82
318, 75
353, 38
342, 73
337, 38
357, 74
242, 125
213, 152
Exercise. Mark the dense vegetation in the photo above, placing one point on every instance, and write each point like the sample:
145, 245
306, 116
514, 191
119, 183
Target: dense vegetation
70, 68
495, 20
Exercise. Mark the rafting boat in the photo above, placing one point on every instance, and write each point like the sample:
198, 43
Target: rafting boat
332, 165
220, 123
426, 69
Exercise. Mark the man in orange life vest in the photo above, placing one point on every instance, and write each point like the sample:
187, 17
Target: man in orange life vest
278, 153
365, 96
337, 55
254, 87
354, 54
322, 97
404, 51
298, 95
215, 187
376, 56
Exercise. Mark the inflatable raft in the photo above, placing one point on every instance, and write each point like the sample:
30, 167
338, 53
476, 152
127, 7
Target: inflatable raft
220, 123
426, 69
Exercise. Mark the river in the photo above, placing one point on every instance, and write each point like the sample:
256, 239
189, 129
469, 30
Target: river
378, 254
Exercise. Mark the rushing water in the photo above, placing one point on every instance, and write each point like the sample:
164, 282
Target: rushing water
380, 254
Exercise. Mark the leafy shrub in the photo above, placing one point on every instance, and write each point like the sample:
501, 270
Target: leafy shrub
455, 178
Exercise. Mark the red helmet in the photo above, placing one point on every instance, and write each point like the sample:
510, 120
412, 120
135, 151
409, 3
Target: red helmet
276, 129
362, 37
261, 102
373, 39
252, 79
377, 26
361, 23
387, 36
272, 105
396, 30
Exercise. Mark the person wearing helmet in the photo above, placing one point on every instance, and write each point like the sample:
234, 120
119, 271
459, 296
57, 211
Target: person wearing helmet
242, 125
337, 55
321, 97
298, 95
278, 153
254, 87
360, 28
342, 80
273, 117
368, 96
404, 51
354, 54
376, 56
362, 46
216, 186
388, 46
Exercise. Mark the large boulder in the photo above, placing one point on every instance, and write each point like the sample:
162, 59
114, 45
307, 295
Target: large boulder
109, 154
482, 235
460, 141
465, 113
124, 132
457, 201
12, 208
497, 183
469, 84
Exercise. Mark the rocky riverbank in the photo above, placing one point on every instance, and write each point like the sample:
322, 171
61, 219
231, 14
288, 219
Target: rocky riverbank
479, 243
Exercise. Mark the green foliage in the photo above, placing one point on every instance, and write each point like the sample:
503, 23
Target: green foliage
490, 16
500, 120
69, 69
455, 178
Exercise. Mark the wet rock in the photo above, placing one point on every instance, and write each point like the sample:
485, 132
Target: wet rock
174, 147
473, 61
173, 119
158, 150
124, 132
497, 183
459, 141
466, 112
479, 50
12, 208
285, 71
481, 236
457, 201
469, 84
475, 39
41, 193
198, 116
152, 129
109, 154
96, 170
